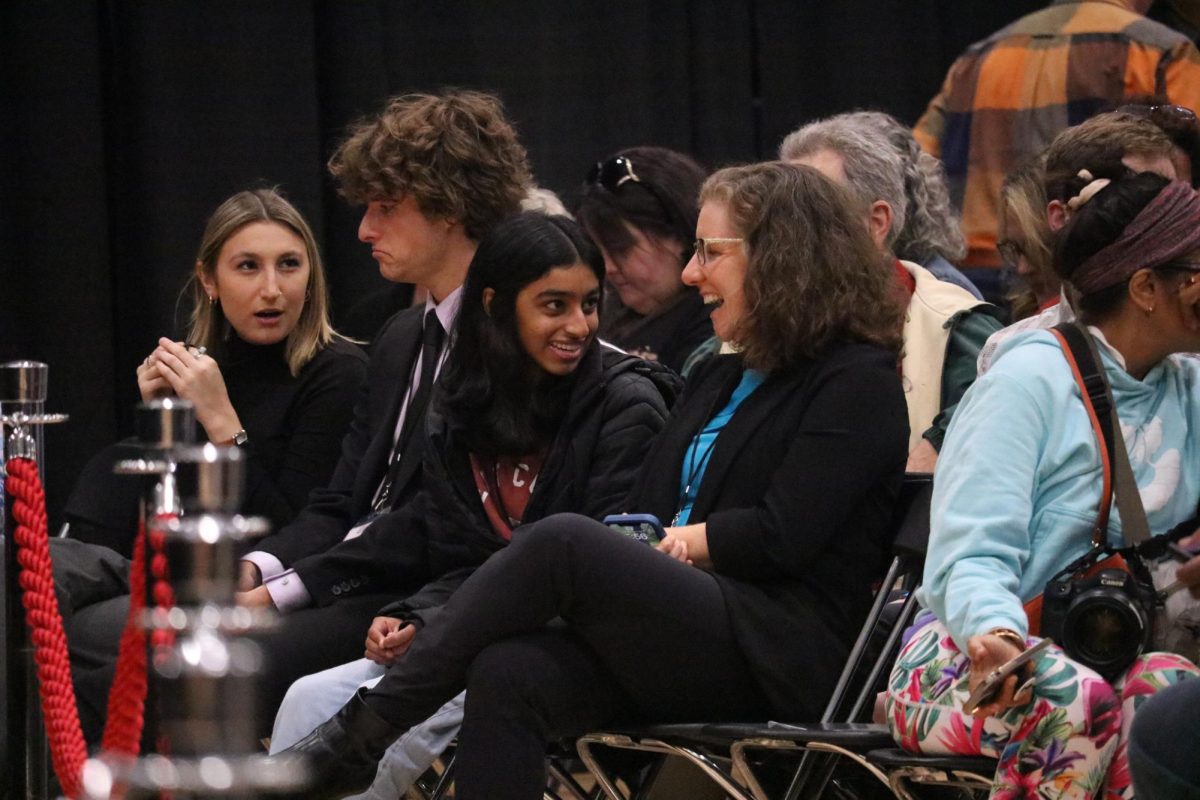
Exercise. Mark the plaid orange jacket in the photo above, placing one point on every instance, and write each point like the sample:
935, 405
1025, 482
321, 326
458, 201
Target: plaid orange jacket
1009, 95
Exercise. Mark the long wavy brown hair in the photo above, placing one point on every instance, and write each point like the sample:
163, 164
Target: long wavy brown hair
814, 275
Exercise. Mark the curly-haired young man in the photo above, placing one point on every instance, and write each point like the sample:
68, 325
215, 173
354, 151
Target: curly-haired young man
435, 172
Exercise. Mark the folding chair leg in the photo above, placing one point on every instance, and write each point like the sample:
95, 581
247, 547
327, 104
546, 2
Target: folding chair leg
556, 773
583, 745
445, 780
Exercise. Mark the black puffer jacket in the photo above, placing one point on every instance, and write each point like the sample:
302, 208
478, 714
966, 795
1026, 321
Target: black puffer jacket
425, 549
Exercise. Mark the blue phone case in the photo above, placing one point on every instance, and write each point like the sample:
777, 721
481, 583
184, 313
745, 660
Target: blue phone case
645, 528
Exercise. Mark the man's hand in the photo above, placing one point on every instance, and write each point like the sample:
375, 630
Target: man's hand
255, 598
249, 576
388, 638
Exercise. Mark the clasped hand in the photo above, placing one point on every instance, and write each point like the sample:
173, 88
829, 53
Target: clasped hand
175, 369
388, 638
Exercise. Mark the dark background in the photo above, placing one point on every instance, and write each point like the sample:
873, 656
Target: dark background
123, 124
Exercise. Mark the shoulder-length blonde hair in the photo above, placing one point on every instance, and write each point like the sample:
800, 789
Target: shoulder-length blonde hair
1023, 206
208, 326
814, 276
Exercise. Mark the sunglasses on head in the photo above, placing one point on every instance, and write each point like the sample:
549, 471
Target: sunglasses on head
1160, 114
618, 171
613, 173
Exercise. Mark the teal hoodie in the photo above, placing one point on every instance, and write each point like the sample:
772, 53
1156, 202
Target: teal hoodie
1018, 481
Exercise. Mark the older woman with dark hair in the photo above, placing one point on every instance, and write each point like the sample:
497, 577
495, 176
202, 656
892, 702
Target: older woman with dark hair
640, 206
776, 474
1017, 495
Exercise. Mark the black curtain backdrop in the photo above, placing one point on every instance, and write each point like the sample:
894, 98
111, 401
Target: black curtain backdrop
123, 124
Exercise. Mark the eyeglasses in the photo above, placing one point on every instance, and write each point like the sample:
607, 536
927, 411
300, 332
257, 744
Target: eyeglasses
701, 248
1010, 251
1160, 114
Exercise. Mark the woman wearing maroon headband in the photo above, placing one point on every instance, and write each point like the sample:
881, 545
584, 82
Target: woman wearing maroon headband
1016, 495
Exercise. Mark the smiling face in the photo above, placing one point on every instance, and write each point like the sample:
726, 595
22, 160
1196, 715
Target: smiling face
721, 280
260, 279
557, 316
409, 246
647, 276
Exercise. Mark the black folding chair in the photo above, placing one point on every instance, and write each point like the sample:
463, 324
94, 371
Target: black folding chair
438, 780
728, 753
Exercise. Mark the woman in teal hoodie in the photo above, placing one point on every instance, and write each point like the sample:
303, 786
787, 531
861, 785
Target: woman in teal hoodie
1016, 495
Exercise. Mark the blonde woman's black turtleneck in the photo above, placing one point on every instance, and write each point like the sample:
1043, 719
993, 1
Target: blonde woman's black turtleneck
294, 424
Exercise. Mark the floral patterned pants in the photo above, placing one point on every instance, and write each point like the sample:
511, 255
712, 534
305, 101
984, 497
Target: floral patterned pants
1067, 742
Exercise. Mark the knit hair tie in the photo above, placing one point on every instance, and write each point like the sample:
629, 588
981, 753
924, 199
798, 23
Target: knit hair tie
1167, 228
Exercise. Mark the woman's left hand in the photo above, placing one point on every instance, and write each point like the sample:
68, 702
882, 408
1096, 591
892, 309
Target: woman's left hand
694, 539
197, 378
987, 652
675, 548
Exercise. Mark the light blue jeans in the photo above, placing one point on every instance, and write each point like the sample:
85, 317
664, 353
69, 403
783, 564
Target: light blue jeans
315, 698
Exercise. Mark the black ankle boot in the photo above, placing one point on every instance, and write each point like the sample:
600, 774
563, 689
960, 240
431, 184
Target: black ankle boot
344, 752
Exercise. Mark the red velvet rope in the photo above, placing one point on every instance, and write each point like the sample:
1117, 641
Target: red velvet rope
67, 748
126, 700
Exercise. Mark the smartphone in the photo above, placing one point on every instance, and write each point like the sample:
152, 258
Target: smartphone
1181, 553
987, 690
644, 528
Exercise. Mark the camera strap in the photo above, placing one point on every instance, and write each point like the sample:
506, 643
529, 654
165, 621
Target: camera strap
1080, 351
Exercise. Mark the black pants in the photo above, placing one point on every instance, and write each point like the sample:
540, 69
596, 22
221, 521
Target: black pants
645, 637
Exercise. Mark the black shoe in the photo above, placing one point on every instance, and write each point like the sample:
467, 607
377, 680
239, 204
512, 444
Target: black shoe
344, 752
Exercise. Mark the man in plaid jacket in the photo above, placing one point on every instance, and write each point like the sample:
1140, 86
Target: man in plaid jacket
1007, 97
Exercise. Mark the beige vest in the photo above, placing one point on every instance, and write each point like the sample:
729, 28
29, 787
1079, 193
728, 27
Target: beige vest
926, 335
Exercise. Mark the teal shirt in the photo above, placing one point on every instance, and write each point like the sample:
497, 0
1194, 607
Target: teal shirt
696, 457
1018, 482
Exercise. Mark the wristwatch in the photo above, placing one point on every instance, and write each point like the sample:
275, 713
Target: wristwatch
240, 438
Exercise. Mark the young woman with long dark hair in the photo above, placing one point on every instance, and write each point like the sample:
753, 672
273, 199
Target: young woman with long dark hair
534, 416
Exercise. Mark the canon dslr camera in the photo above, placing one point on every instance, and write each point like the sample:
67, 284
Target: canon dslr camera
1103, 621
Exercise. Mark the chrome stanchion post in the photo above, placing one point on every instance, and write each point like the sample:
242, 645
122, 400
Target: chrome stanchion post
207, 677
22, 414
163, 426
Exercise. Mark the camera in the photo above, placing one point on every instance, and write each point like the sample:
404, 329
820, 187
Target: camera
1103, 621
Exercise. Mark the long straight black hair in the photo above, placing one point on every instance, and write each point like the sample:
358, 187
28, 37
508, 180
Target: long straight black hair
492, 394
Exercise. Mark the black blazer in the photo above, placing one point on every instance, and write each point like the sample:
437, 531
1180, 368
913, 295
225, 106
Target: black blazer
797, 499
335, 509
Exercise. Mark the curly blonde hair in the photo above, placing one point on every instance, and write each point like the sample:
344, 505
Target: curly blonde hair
814, 276
453, 152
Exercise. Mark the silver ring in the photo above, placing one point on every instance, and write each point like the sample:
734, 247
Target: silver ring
199, 352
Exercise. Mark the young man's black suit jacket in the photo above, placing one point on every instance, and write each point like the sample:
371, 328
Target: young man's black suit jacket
313, 639
337, 508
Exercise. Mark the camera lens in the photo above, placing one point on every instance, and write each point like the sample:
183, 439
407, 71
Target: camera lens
1104, 630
